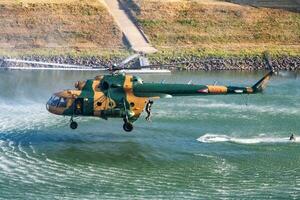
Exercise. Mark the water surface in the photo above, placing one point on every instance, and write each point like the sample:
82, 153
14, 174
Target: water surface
213, 147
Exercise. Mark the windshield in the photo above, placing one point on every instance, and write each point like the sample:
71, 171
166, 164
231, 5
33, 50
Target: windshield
62, 102
57, 101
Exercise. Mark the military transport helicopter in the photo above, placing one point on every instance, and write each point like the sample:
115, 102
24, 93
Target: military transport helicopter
119, 95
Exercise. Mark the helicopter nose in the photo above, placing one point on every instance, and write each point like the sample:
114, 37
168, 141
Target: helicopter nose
53, 105
58, 105
49, 106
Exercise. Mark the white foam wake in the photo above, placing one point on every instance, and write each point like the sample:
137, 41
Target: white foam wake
213, 138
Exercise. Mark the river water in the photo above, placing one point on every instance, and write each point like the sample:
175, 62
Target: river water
213, 147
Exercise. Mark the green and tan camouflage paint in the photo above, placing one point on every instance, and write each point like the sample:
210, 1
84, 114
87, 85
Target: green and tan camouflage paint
120, 95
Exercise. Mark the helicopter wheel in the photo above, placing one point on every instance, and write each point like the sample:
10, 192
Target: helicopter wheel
128, 127
73, 125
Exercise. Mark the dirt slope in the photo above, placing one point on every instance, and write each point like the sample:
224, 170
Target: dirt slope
57, 26
197, 27
217, 27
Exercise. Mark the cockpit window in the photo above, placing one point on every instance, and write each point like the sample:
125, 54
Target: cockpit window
62, 102
57, 101
54, 100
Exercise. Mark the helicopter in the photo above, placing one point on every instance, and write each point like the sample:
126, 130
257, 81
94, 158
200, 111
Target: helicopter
119, 94
124, 96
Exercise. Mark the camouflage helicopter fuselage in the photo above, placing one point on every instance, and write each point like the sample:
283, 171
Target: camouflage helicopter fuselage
125, 96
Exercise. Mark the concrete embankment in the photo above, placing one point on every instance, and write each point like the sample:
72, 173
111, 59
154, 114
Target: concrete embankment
196, 63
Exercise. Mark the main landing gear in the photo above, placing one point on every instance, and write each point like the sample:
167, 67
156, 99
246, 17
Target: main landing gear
73, 124
127, 126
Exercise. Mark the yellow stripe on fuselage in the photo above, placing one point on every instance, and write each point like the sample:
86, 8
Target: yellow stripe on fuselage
216, 89
137, 102
101, 102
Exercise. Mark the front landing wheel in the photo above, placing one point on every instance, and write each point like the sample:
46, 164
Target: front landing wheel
128, 127
73, 125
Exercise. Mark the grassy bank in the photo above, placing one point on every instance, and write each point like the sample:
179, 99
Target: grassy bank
217, 28
48, 52
57, 27
177, 28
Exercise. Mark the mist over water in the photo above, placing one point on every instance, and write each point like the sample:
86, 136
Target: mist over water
196, 147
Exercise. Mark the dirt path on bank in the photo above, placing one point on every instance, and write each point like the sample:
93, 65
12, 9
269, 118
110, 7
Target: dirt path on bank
134, 36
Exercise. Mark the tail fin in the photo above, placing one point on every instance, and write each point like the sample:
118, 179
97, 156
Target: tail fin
262, 83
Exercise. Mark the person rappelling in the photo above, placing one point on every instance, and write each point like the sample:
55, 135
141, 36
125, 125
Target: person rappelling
148, 110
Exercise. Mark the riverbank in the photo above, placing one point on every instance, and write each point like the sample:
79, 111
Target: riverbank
218, 28
30, 26
209, 28
196, 63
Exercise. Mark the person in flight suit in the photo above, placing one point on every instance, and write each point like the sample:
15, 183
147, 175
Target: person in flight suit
148, 110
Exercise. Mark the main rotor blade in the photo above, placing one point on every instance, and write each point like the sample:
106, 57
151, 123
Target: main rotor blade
54, 64
128, 59
165, 65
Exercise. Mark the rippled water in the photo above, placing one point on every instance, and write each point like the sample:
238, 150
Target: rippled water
222, 147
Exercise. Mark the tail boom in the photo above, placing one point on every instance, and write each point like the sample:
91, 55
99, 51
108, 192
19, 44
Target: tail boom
256, 88
161, 90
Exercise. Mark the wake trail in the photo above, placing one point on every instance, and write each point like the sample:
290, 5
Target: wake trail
215, 138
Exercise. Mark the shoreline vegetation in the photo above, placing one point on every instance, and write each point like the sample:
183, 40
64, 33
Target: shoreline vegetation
217, 35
